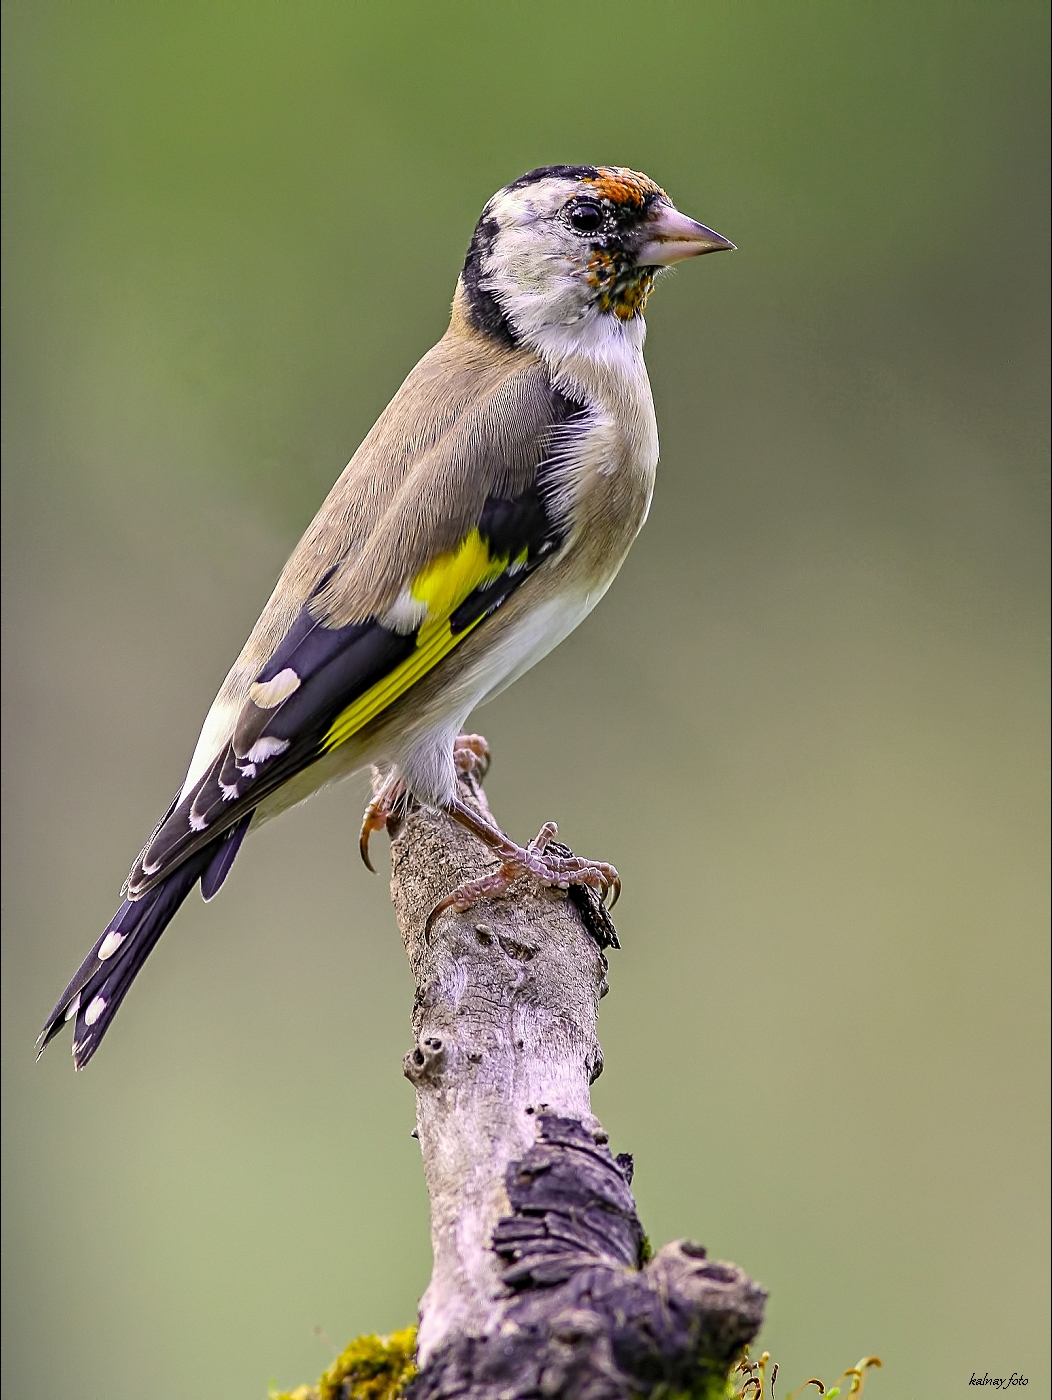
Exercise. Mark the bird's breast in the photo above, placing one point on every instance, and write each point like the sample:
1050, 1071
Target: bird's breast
605, 478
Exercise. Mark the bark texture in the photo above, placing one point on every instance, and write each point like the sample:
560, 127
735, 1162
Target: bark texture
540, 1286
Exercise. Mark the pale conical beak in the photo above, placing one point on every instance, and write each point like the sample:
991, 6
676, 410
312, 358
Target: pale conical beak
668, 236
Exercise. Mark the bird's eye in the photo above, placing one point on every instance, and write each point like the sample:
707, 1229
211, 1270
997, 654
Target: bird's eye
585, 216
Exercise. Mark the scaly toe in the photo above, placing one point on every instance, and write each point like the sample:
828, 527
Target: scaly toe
549, 871
472, 892
471, 756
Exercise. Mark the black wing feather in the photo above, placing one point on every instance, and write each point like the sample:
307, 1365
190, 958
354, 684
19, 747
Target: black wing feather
335, 666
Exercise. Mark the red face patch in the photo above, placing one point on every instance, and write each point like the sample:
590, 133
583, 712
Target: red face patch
622, 186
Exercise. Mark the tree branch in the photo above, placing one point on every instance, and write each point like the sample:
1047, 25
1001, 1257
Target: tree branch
540, 1284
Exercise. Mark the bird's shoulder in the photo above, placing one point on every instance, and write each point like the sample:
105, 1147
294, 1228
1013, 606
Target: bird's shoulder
474, 419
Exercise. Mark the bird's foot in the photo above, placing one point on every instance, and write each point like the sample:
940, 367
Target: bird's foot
389, 802
471, 758
550, 869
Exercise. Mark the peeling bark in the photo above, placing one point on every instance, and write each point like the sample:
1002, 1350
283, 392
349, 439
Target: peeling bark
539, 1285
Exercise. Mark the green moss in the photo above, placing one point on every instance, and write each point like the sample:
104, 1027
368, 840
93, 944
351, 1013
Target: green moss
749, 1380
646, 1251
371, 1368
380, 1368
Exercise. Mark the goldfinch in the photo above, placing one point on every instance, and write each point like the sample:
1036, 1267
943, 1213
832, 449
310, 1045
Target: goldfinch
480, 521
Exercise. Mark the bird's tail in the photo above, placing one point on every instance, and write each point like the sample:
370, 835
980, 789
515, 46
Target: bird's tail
101, 982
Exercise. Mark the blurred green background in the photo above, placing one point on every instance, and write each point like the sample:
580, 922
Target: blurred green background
808, 723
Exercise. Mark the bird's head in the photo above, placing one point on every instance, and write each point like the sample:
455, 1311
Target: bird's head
570, 253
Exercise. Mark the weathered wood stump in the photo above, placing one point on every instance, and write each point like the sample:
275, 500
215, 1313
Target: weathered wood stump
541, 1283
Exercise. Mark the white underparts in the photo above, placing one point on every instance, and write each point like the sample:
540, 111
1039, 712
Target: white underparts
427, 762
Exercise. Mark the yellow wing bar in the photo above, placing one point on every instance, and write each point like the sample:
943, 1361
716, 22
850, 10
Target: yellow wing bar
442, 585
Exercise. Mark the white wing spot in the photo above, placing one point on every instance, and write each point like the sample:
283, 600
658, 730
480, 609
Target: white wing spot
110, 944
95, 1009
228, 791
267, 747
268, 695
247, 770
72, 1008
405, 614
197, 823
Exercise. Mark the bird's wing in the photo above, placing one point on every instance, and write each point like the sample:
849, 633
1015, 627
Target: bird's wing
474, 515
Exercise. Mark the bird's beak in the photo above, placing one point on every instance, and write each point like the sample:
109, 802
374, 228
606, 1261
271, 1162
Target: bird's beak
668, 236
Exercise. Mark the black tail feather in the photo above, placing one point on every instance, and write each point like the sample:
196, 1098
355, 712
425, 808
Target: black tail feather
223, 859
101, 982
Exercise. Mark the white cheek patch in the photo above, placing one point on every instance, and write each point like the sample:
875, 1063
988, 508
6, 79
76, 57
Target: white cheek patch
268, 695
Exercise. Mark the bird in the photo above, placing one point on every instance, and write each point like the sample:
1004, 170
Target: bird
482, 518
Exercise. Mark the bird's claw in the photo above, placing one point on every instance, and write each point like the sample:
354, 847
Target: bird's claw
379, 812
471, 758
550, 871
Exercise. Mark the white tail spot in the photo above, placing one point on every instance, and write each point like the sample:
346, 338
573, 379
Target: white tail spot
72, 1008
95, 1009
110, 944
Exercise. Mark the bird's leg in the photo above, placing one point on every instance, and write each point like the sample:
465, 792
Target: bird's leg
470, 758
551, 871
